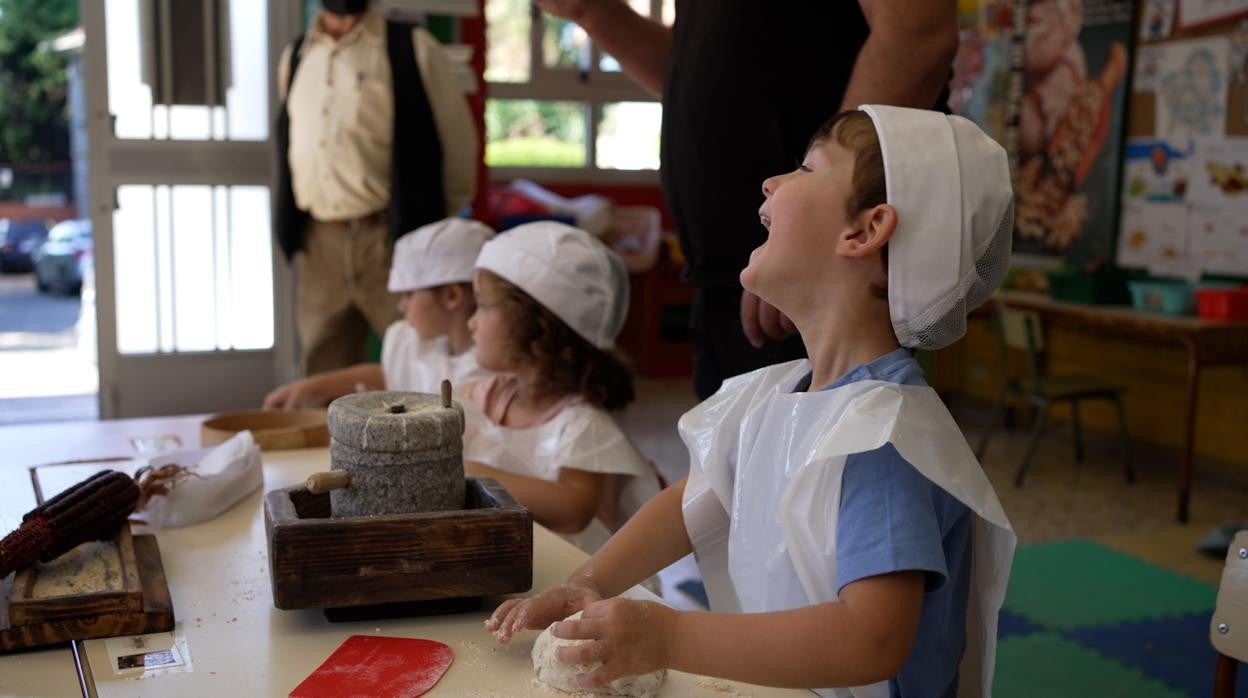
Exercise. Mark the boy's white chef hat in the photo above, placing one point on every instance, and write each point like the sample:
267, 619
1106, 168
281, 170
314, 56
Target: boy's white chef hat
568, 271
443, 252
950, 184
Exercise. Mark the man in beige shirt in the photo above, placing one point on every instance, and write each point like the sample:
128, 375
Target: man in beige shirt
375, 139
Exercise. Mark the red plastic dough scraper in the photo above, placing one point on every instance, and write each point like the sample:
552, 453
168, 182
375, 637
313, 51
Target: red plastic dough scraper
366, 665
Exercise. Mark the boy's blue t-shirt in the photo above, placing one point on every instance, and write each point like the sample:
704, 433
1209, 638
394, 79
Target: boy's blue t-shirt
893, 519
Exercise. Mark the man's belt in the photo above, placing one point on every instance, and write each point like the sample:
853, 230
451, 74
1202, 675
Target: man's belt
357, 223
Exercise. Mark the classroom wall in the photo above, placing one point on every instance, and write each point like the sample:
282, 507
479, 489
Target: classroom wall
1155, 378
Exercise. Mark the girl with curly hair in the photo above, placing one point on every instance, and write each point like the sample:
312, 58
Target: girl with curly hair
550, 301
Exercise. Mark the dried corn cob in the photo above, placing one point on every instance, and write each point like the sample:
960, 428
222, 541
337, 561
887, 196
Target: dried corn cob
94, 509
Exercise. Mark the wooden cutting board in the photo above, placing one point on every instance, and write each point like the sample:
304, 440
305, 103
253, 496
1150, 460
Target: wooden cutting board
365, 665
141, 603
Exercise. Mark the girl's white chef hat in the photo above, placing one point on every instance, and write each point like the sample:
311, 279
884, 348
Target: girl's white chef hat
568, 271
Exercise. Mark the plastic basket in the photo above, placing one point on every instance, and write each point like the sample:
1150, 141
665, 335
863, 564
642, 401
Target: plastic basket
1223, 303
1099, 289
1164, 297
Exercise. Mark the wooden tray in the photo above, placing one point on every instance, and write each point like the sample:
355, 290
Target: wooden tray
273, 430
141, 606
320, 562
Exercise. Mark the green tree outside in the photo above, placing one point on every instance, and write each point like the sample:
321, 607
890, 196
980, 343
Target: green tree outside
34, 125
531, 133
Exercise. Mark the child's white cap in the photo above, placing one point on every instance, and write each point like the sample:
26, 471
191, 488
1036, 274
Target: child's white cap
439, 253
568, 271
950, 184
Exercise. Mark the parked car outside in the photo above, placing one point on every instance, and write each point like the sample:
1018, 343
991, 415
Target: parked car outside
60, 263
18, 241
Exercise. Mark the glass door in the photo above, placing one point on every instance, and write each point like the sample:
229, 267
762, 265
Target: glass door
194, 304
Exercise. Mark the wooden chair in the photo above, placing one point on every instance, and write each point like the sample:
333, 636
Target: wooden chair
1228, 629
1019, 330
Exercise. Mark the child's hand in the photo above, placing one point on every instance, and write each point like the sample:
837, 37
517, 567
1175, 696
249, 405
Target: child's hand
290, 396
537, 612
628, 637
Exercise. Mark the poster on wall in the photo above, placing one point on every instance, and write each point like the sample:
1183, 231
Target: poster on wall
1222, 241
1193, 13
988, 70
1155, 237
1220, 175
1155, 170
1071, 126
1158, 19
1192, 86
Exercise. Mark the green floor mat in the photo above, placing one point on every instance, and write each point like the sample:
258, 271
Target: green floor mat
1081, 583
1068, 670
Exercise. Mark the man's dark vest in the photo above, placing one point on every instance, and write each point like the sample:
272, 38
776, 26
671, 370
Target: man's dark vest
417, 192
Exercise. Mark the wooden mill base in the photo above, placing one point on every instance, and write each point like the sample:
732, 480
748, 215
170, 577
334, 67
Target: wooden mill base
371, 567
141, 606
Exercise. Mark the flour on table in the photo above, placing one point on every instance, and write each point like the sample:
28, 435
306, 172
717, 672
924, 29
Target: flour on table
562, 676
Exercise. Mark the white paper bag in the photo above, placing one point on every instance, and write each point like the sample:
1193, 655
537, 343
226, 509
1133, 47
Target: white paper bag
204, 483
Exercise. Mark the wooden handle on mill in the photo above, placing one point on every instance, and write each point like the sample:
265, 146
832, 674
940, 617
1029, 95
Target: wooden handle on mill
446, 393
320, 483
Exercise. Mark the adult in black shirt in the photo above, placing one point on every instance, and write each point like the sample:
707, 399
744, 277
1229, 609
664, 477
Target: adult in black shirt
745, 84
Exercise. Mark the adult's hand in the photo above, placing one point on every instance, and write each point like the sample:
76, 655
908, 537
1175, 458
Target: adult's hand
640, 45
761, 321
574, 10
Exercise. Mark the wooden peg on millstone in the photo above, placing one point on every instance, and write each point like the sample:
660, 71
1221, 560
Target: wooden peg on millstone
320, 483
446, 393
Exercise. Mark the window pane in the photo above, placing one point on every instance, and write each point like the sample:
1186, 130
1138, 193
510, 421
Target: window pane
129, 98
134, 252
135, 68
247, 89
669, 12
564, 44
507, 38
193, 268
628, 136
529, 133
607, 62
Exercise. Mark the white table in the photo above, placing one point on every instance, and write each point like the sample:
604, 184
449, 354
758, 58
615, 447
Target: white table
240, 645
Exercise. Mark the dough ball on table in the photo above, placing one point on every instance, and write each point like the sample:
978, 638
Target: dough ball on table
562, 676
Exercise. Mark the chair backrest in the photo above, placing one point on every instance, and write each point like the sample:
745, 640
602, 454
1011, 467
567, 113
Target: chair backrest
1228, 630
1019, 330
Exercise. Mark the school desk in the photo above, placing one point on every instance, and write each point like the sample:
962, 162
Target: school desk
1207, 343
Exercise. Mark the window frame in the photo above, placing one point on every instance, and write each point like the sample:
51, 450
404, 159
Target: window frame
592, 90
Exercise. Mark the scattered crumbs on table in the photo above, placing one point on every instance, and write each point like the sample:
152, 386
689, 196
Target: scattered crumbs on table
721, 686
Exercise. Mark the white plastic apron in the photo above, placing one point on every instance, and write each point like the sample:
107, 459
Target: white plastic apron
581, 437
763, 496
410, 362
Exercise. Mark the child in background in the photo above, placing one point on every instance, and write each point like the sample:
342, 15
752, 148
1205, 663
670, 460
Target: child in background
433, 270
849, 541
550, 301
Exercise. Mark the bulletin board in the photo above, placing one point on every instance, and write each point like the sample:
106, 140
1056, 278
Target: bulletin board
1185, 168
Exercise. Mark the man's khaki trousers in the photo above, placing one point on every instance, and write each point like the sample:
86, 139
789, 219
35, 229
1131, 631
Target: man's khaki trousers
343, 269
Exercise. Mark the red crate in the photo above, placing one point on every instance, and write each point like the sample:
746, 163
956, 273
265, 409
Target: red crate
1223, 303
